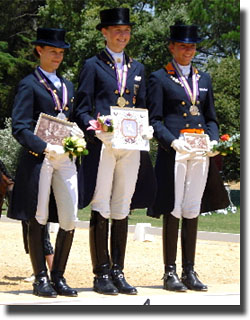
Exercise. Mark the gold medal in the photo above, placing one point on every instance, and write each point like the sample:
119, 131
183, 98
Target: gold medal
121, 102
194, 110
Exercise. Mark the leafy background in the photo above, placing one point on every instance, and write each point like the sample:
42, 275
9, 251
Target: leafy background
218, 54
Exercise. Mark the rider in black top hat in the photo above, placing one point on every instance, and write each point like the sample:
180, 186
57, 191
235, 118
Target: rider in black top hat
45, 172
111, 177
180, 102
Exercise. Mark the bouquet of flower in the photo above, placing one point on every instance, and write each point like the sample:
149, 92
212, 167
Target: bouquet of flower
103, 123
226, 144
75, 146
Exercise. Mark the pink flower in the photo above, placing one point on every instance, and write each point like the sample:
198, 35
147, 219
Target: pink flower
94, 125
103, 123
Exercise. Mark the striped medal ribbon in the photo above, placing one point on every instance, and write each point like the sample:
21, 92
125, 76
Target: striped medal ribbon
121, 80
193, 95
58, 105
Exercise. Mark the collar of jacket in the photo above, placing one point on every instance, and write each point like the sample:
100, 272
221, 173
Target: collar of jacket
50, 83
171, 70
104, 57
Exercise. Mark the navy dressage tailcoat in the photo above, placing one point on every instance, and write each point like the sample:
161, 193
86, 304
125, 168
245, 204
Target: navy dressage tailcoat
31, 99
97, 91
169, 106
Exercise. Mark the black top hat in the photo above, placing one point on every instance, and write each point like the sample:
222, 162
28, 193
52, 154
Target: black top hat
186, 34
51, 37
114, 17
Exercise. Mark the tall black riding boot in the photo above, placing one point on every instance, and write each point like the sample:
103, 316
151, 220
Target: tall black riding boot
62, 249
98, 239
170, 237
119, 232
41, 286
188, 244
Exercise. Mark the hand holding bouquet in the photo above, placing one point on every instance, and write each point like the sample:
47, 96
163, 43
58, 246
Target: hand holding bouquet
75, 146
226, 144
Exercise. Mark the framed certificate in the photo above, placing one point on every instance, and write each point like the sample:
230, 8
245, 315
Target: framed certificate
128, 128
198, 142
51, 129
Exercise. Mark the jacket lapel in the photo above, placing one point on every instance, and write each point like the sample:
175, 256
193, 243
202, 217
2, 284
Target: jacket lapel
169, 68
106, 63
51, 85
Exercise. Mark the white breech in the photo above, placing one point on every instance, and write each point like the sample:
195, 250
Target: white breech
62, 176
116, 181
190, 181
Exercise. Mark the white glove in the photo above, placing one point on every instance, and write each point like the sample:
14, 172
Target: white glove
54, 151
147, 133
212, 153
105, 137
76, 131
181, 146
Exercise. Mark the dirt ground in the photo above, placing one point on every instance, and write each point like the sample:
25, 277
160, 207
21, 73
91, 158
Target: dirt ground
234, 185
216, 262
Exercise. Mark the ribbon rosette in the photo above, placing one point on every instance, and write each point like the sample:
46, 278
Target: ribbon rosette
226, 144
103, 123
75, 147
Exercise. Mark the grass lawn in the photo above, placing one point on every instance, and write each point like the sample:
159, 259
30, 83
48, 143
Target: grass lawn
229, 223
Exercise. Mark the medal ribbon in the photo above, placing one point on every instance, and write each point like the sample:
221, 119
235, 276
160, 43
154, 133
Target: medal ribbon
193, 95
121, 80
60, 106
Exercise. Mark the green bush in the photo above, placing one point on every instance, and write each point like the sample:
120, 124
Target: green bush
9, 148
226, 84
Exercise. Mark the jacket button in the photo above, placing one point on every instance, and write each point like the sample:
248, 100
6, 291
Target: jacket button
116, 91
66, 108
184, 114
187, 125
199, 125
183, 103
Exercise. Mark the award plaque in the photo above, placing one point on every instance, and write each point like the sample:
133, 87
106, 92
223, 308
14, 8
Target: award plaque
52, 130
129, 124
198, 142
